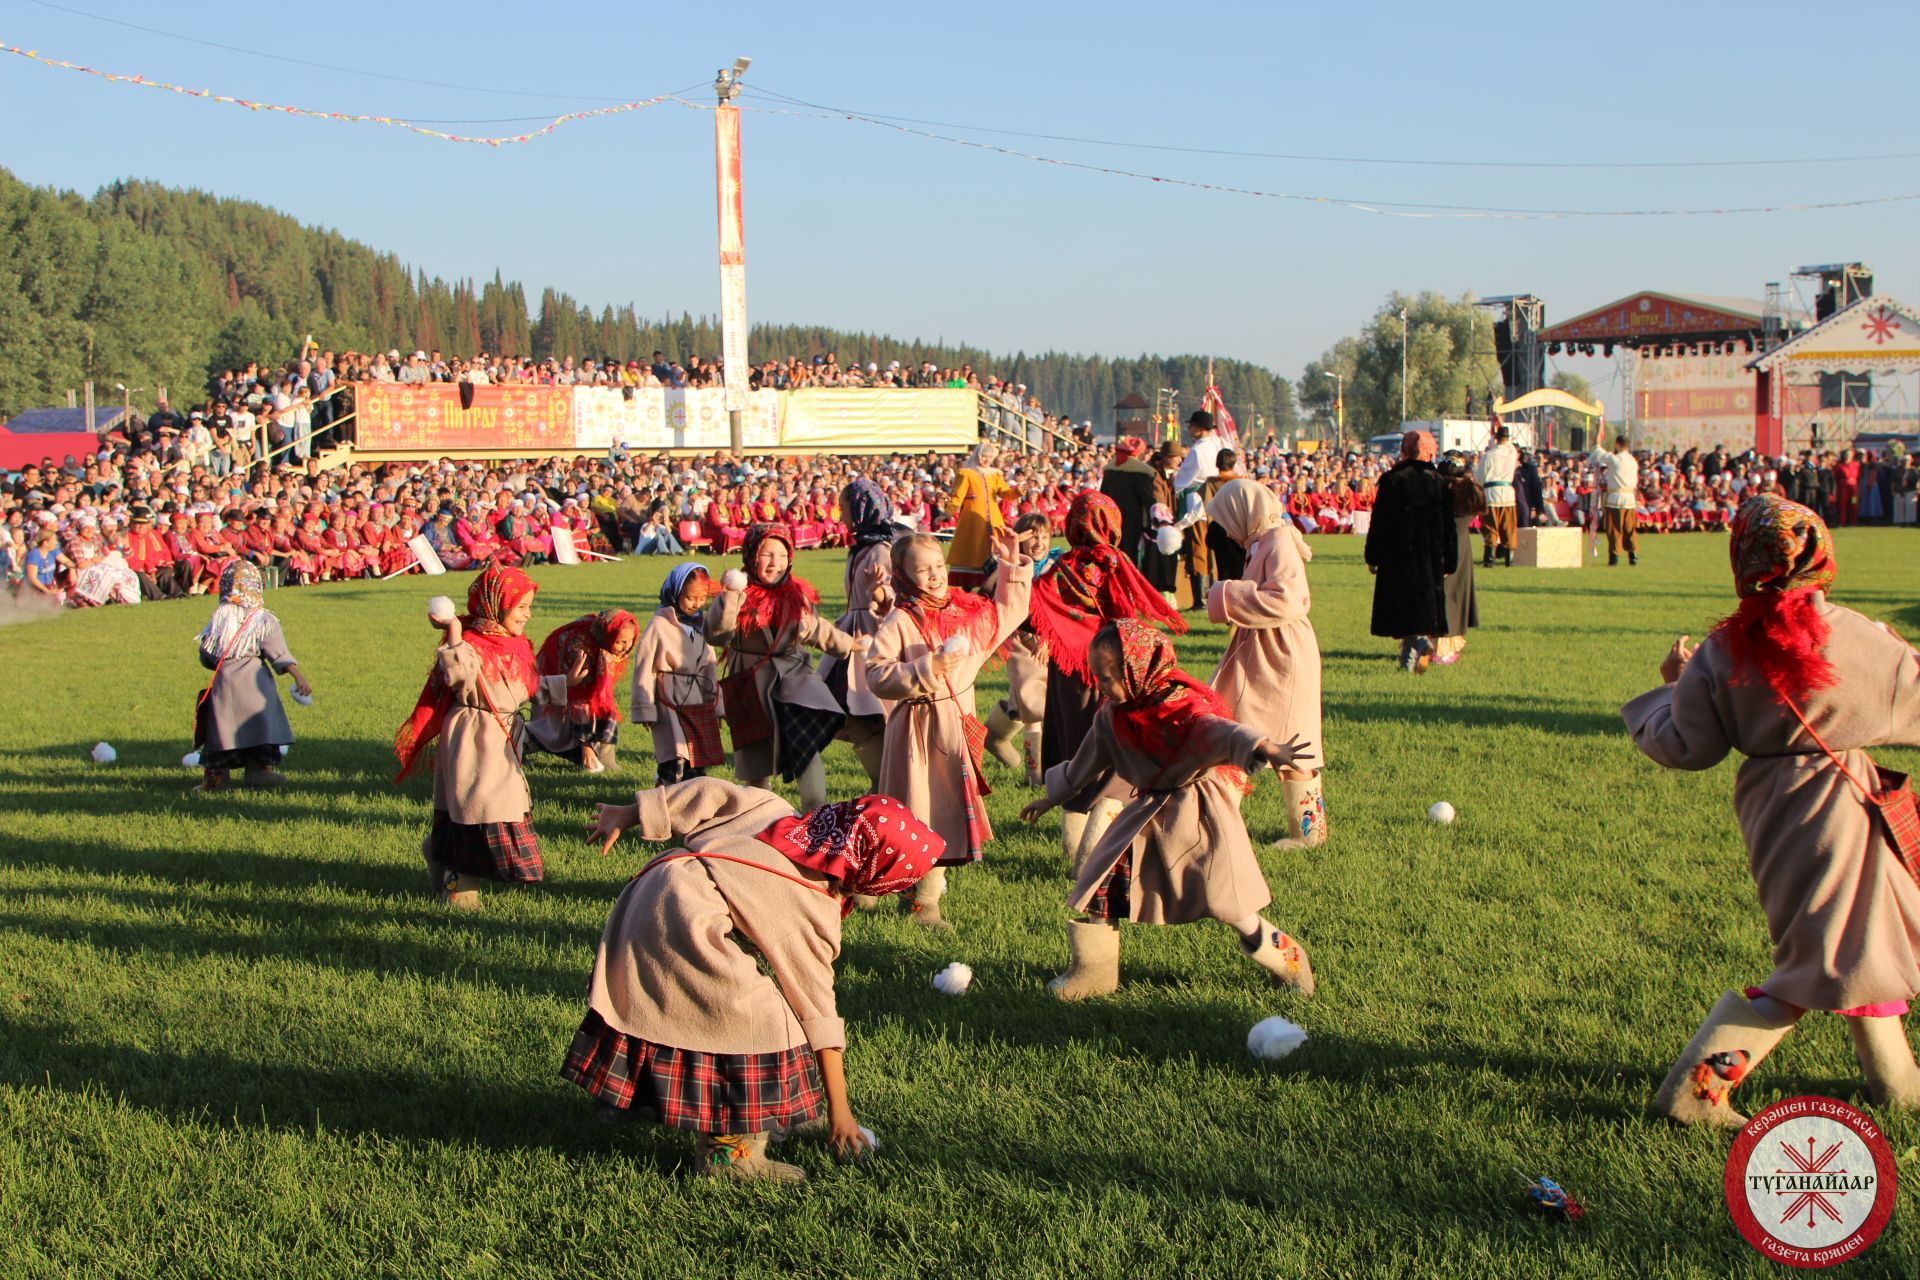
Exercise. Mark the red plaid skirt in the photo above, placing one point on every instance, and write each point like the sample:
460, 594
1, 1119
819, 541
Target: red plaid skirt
700, 726
508, 851
688, 1089
1113, 900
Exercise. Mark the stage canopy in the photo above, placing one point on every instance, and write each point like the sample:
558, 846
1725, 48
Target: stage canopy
1874, 335
1659, 319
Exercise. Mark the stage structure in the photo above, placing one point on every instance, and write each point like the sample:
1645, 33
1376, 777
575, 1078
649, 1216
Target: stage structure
1853, 372
1517, 321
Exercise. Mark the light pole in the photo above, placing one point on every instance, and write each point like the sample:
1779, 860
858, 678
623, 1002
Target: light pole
733, 256
1403, 366
1339, 404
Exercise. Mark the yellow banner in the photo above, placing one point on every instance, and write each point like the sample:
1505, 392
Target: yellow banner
879, 419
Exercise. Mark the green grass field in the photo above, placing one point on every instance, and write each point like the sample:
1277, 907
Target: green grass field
238, 1039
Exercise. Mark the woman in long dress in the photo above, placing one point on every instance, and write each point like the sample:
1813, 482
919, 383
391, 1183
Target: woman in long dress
1463, 605
1801, 687
242, 724
975, 505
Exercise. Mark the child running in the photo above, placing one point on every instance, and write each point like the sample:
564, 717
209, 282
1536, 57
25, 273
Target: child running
482, 812
1091, 583
1179, 851
781, 713
1270, 675
1801, 687
240, 721
675, 681
924, 660
580, 666
711, 1003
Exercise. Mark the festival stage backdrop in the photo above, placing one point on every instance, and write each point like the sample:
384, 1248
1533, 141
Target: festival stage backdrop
1699, 401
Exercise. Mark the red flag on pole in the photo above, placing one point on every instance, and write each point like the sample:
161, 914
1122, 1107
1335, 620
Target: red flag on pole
1222, 420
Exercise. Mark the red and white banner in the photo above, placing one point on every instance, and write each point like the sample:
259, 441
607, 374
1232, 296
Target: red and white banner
1222, 420
733, 255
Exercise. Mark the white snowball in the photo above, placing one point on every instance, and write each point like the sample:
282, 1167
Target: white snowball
873, 1139
304, 699
191, 760
1168, 539
1441, 812
440, 609
734, 580
104, 754
1275, 1038
958, 644
953, 980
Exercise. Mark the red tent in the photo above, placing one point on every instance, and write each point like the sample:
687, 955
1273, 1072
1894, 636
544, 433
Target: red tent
42, 433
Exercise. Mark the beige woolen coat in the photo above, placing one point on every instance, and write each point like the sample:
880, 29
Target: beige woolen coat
670, 666
476, 768
1843, 913
925, 765
787, 674
1270, 674
671, 967
1192, 859
867, 569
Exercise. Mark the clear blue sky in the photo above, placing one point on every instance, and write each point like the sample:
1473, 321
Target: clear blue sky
857, 227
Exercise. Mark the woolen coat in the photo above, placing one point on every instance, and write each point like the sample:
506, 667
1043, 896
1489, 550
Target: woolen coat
1270, 675
243, 708
1130, 485
1411, 547
672, 666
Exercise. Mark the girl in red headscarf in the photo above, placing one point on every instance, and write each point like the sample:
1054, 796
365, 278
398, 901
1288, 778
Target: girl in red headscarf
711, 1004
1179, 851
764, 617
1801, 687
482, 812
1088, 585
580, 666
926, 656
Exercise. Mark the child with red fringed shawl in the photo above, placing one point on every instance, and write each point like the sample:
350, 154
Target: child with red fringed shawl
482, 811
927, 654
1179, 851
711, 1004
579, 666
1801, 687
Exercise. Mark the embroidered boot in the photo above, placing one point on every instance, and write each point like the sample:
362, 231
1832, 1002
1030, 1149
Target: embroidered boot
924, 905
1886, 1060
1306, 814
462, 892
1280, 955
1002, 729
1095, 970
1099, 818
743, 1158
1036, 776
1722, 1053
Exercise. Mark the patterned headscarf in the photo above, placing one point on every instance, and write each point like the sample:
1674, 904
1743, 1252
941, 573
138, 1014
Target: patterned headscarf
1091, 583
1164, 704
773, 606
598, 636
872, 846
240, 585
235, 629
1127, 448
1782, 558
504, 659
869, 513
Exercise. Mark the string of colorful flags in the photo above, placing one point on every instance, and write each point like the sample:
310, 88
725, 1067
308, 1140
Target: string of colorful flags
346, 117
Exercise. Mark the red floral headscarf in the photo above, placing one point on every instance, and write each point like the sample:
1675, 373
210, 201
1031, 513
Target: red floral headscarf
1164, 704
1782, 556
872, 846
1092, 583
508, 659
774, 606
1126, 448
597, 635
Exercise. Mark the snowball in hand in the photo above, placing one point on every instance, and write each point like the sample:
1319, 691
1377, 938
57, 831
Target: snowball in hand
1169, 539
734, 580
1441, 812
304, 699
953, 980
1275, 1038
958, 645
104, 754
440, 609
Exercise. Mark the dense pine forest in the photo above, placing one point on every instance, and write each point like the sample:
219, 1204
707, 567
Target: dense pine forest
150, 286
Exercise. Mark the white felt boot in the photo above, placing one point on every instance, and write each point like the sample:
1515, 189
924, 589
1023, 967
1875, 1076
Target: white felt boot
1036, 776
1095, 970
1281, 955
1073, 831
924, 905
812, 785
1002, 729
1722, 1053
1886, 1061
742, 1158
1099, 818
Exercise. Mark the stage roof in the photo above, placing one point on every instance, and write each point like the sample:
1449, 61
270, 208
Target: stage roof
1652, 316
1874, 334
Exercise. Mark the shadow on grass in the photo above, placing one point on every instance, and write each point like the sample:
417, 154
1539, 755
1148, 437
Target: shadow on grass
1486, 713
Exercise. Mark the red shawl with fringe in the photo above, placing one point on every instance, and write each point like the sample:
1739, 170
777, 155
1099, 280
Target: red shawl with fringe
1782, 558
773, 606
503, 659
597, 635
1092, 584
956, 613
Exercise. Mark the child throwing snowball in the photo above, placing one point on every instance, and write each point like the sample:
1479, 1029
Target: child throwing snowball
711, 1003
239, 720
1178, 852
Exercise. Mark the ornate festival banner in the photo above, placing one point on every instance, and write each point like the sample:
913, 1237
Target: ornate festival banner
879, 419
733, 255
658, 418
429, 417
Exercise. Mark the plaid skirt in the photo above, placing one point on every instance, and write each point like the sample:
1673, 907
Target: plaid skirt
241, 758
1113, 900
688, 1089
803, 733
508, 851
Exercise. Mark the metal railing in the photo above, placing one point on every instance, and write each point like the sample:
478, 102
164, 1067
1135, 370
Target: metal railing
1012, 427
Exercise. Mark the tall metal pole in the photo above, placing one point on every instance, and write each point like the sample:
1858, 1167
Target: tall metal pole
733, 257
1403, 364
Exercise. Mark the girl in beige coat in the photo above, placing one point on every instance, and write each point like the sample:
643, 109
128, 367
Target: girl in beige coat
924, 660
1022, 713
868, 514
675, 680
1270, 675
1801, 687
711, 1003
1178, 852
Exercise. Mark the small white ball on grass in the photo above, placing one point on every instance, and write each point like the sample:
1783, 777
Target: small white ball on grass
440, 609
1441, 812
953, 980
104, 754
1274, 1038
191, 760
734, 580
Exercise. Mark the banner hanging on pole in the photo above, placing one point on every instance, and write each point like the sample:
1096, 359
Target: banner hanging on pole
733, 255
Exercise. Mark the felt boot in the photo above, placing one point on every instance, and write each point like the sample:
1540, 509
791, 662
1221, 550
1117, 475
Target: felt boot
1886, 1061
462, 892
261, 778
743, 1158
212, 780
1306, 814
812, 785
924, 905
1036, 776
436, 872
1073, 831
1095, 970
1722, 1053
609, 755
871, 749
1282, 956
1002, 729
1099, 818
